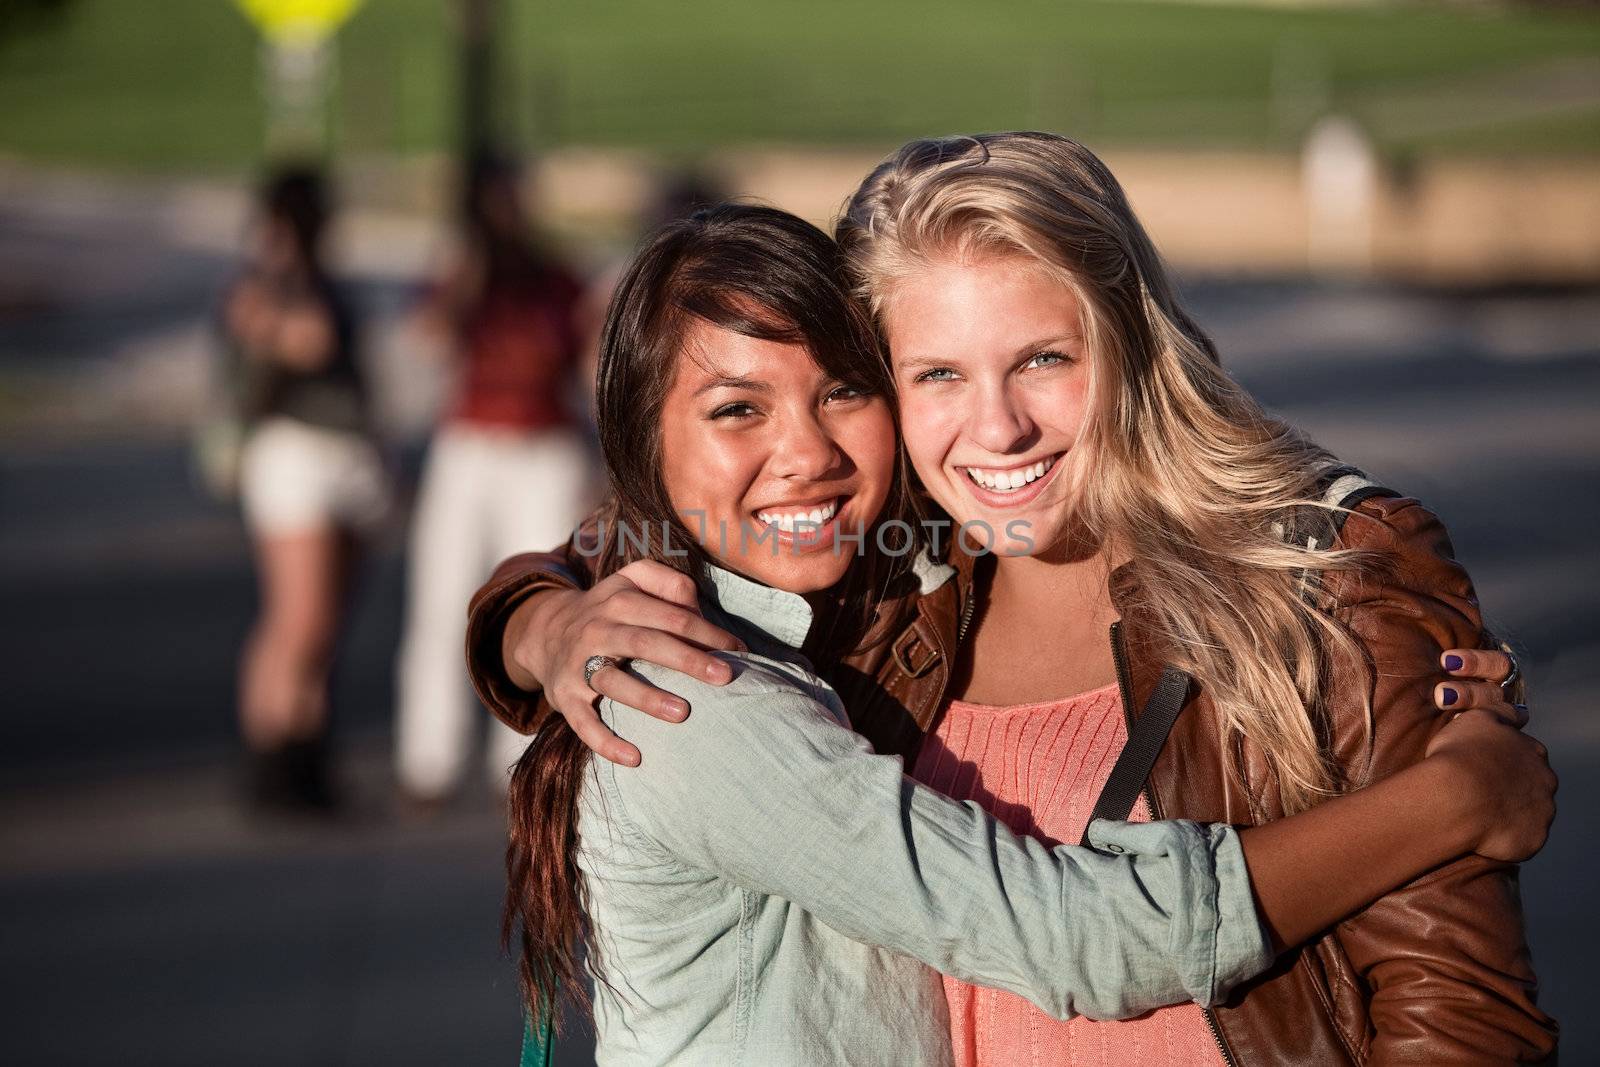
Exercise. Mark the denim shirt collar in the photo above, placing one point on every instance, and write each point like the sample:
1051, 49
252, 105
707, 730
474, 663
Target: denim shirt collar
776, 616
758, 613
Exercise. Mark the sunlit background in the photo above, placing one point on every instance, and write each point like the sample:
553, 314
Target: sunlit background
1388, 214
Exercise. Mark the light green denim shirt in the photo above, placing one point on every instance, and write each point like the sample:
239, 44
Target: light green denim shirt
767, 890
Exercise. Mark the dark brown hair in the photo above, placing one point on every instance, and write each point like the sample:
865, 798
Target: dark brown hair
295, 196
755, 271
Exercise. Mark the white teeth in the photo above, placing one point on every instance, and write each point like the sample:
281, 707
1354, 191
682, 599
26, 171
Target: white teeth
1010, 481
790, 521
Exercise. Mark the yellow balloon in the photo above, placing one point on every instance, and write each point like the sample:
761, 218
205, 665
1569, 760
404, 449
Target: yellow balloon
298, 20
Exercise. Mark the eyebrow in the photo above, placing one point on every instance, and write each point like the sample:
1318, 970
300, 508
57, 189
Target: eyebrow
1045, 344
922, 363
734, 383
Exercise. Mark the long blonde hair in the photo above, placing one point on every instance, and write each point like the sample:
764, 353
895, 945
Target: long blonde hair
1181, 469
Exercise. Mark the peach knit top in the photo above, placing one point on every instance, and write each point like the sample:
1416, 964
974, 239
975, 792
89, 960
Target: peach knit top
1039, 768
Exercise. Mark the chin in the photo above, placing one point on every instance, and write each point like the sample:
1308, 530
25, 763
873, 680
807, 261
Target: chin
1002, 534
1014, 547
808, 572
801, 575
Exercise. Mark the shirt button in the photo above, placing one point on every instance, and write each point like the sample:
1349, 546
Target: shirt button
1115, 849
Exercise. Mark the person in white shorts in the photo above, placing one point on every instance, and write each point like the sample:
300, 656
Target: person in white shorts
311, 482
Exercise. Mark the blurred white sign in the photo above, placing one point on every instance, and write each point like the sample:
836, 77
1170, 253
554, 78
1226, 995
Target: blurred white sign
1340, 172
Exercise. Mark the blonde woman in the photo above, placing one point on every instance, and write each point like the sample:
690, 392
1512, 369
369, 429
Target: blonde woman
1032, 328
1146, 523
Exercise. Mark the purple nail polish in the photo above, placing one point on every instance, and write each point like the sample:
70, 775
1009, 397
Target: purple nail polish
1450, 696
1453, 663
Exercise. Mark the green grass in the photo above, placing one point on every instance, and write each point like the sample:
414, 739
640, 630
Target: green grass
172, 84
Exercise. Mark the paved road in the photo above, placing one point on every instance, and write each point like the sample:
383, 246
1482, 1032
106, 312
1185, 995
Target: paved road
148, 922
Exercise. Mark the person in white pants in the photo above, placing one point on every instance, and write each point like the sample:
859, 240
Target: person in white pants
508, 470
486, 493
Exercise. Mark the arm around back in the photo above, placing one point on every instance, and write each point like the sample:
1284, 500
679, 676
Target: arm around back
512, 582
764, 785
1445, 958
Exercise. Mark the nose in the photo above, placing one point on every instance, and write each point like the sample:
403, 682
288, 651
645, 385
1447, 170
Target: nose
1000, 424
804, 450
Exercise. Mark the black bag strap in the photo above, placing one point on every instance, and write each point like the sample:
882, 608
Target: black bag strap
1146, 736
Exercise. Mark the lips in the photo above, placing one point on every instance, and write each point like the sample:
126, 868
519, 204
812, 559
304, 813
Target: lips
1010, 479
804, 526
798, 517
1011, 487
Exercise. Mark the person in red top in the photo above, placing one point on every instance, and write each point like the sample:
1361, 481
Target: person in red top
507, 467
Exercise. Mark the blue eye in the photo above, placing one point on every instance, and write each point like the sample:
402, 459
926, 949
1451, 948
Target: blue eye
1047, 359
936, 374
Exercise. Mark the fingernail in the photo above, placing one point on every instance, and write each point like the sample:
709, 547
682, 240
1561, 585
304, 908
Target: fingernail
1453, 663
630, 759
719, 672
678, 708
1450, 696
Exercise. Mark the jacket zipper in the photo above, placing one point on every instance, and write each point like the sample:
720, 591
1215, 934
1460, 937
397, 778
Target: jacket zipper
1124, 686
1119, 657
966, 615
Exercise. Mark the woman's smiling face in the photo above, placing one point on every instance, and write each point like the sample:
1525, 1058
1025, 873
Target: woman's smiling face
993, 378
767, 459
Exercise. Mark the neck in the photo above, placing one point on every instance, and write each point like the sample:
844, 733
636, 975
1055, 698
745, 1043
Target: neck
1043, 580
1072, 571
1041, 630
1066, 562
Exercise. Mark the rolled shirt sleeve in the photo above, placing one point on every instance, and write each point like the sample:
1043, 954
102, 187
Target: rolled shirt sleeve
1217, 937
764, 785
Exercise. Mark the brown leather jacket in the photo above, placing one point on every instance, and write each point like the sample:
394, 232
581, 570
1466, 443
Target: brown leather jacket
1437, 972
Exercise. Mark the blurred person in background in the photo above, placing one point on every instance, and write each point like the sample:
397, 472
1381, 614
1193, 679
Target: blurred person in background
677, 195
508, 466
310, 479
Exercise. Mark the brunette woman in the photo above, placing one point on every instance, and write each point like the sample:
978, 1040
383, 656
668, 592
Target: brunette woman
766, 889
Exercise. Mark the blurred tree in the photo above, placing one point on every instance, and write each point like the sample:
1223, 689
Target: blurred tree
477, 77
22, 16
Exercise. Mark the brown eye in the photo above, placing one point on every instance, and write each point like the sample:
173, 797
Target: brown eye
738, 410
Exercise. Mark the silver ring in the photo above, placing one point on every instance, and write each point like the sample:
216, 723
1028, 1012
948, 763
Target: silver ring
594, 665
1514, 677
